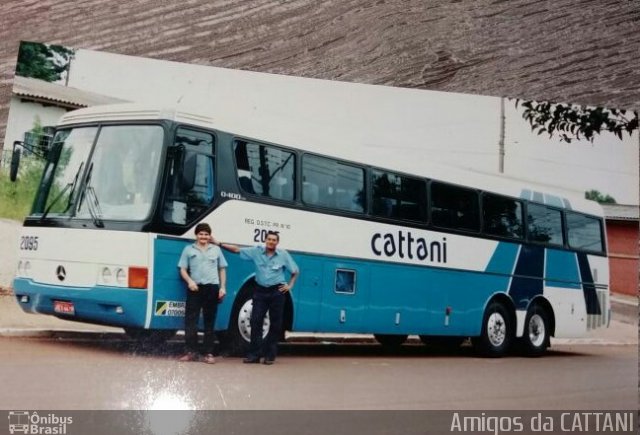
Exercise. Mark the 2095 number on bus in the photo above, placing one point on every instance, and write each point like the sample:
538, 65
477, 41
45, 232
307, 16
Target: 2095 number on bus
29, 243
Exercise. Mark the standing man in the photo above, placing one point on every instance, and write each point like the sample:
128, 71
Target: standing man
203, 268
269, 294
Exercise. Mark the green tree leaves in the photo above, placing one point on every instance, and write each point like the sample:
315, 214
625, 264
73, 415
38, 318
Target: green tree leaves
43, 61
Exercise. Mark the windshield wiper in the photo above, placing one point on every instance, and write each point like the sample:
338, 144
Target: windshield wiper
93, 205
71, 186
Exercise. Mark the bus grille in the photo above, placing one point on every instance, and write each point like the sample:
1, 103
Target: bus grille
599, 320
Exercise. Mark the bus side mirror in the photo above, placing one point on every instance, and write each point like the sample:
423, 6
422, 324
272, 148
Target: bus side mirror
15, 161
188, 179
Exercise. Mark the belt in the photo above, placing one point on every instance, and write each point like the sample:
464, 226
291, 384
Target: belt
271, 287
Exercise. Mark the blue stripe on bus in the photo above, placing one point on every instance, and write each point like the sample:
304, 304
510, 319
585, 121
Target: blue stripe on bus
553, 200
503, 258
527, 282
562, 269
588, 287
538, 197
94, 304
526, 194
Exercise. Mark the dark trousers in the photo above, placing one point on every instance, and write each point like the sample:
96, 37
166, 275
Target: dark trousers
205, 299
272, 300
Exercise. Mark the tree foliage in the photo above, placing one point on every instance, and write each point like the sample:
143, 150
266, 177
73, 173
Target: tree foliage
571, 121
43, 61
595, 195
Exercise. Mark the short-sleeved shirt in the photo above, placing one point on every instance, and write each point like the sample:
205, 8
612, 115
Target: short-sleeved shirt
269, 269
203, 265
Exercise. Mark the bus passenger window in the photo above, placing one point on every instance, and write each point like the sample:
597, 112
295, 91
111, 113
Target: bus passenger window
584, 232
454, 207
398, 196
502, 216
544, 224
265, 170
332, 184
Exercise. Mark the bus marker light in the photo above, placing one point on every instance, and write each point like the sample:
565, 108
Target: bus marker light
24, 299
138, 277
119, 310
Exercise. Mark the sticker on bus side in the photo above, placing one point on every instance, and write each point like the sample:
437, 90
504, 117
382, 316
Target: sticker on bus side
170, 308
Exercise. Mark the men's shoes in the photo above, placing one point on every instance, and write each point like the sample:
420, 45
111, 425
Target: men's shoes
189, 356
268, 362
251, 360
209, 359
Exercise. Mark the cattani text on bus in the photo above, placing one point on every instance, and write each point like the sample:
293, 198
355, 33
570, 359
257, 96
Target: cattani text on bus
404, 244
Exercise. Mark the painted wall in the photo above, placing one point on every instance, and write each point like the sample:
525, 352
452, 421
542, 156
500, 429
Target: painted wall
623, 256
22, 116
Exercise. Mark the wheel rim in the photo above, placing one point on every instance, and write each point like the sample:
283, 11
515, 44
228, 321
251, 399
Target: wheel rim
244, 321
496, 329
536, 330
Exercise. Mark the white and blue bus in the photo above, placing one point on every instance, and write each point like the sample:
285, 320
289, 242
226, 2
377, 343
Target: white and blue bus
389, 248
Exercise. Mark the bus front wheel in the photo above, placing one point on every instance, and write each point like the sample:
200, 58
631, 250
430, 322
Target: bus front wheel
391, 341
497, 331
535, 340
238, 335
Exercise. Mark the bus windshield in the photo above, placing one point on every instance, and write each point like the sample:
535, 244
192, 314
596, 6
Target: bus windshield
121, 173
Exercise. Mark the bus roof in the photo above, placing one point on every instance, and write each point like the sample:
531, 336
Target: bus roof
318, 139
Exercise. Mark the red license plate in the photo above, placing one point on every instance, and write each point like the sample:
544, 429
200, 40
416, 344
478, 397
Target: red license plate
63, 307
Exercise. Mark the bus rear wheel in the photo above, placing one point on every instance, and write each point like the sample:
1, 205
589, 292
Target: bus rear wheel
391, 341
535, 340
497, 331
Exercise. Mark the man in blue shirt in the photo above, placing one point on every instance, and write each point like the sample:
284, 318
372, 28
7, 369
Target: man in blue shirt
269, 293
203, 268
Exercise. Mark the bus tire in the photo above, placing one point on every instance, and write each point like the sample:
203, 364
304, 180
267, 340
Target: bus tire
497, 331
150, 336
536, 337
15, 163
391, 341
238, 335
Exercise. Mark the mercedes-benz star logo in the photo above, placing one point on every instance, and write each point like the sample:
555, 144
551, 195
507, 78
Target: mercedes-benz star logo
61, 273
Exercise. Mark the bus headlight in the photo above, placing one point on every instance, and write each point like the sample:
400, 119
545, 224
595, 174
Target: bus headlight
106, 275
20, 268
27, 268
121, 277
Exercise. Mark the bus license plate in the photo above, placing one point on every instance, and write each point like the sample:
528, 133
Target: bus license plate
63, 307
